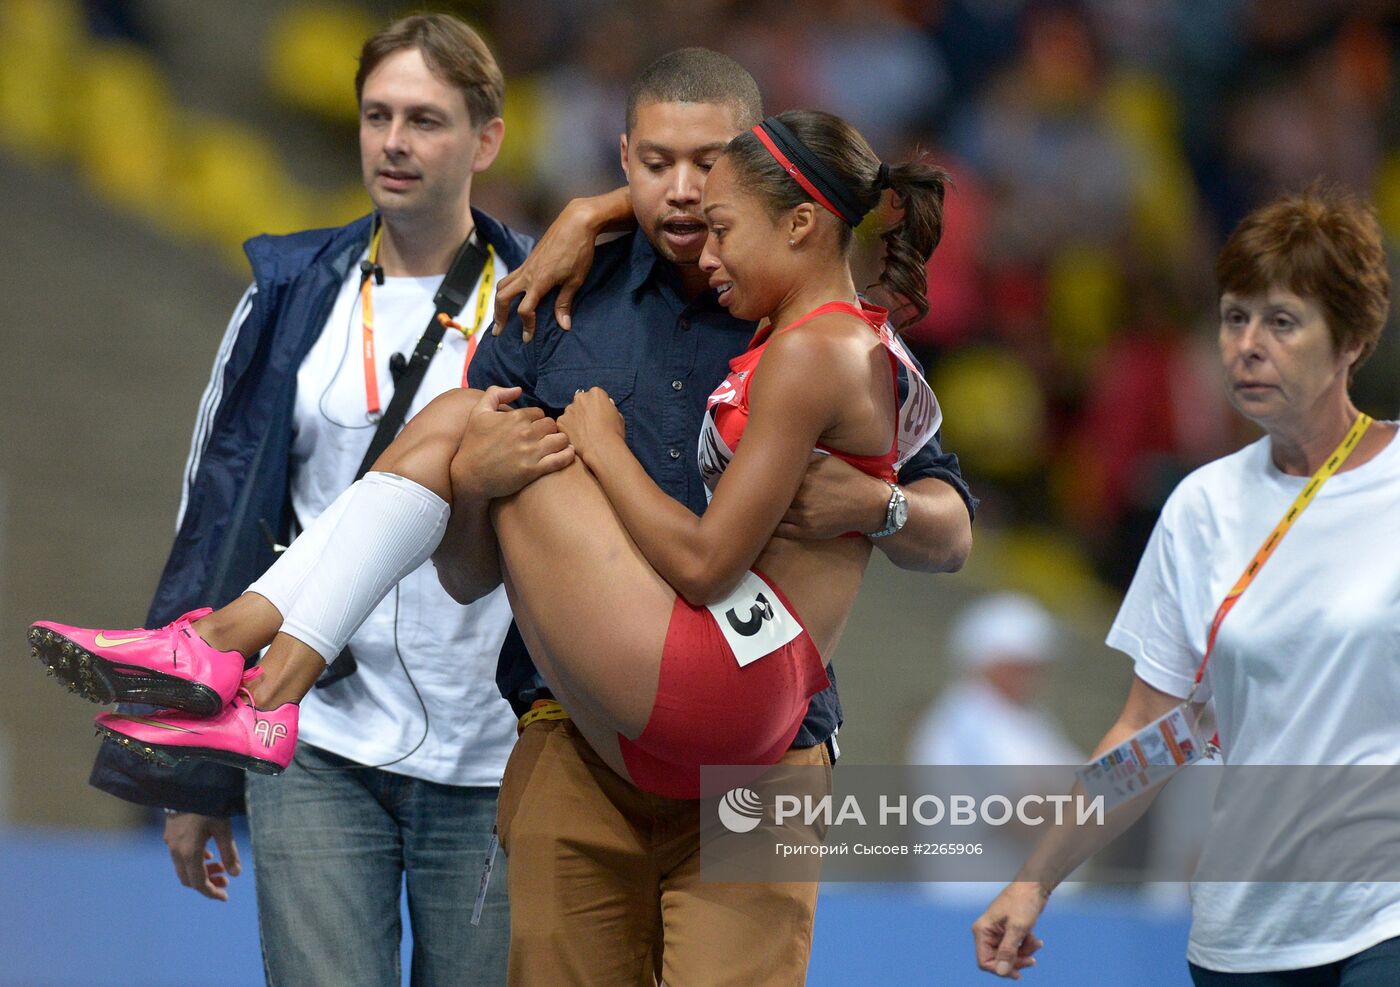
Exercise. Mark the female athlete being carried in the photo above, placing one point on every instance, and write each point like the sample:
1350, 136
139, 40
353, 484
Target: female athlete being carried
672, 640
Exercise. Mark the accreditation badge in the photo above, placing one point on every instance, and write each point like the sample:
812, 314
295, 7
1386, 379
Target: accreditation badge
1145, 760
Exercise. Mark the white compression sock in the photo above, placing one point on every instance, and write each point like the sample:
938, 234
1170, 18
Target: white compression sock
386, 527
282, 582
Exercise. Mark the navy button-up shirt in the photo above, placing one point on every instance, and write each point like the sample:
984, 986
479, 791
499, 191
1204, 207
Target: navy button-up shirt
659, 357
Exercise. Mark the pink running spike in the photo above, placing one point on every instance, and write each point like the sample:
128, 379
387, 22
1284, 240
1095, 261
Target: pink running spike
171, 666
241, 735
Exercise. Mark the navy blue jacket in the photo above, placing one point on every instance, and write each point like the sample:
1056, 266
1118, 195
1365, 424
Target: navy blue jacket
242, 481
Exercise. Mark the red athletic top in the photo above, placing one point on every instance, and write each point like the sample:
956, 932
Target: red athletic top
727, 410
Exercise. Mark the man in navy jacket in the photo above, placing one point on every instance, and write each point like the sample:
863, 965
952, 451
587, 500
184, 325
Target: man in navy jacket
283, 426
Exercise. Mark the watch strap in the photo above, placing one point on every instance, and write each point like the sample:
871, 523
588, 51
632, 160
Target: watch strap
894, 518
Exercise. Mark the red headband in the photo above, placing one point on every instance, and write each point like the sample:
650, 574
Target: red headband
796, 175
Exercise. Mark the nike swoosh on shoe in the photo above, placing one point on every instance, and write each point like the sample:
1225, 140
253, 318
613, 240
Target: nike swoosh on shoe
103, 641
149, 722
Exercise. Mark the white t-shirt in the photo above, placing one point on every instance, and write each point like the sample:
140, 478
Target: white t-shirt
1305, 671
450, 650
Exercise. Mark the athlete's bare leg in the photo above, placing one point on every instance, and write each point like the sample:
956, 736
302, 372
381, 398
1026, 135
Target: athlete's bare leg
595, 610
246, 625
600, 733
422, 452
290, 668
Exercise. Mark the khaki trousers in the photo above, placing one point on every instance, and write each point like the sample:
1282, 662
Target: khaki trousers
605, 887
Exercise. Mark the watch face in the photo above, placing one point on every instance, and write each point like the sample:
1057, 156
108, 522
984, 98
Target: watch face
899, 512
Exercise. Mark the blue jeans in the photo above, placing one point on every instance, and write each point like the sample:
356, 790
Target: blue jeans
333, 849
1378, 966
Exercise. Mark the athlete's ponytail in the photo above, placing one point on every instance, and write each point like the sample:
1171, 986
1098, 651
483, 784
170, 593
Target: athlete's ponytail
810, 156
918, 189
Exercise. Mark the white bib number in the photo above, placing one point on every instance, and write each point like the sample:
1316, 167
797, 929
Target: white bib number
754, 621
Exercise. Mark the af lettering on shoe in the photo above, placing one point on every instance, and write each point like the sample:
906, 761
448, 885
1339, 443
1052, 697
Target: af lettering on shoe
171, 667
241, 735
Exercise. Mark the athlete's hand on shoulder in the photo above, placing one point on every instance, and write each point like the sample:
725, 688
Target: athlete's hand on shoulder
591, 421
1003, 936
504, 448
560, 259
187, 836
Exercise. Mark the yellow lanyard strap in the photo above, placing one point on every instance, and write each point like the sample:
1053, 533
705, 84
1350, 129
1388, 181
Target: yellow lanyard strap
372, 408
483, 300
1334, 462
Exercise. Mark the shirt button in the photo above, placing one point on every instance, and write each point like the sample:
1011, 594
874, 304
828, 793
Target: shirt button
684, 323
675, 454
677, 385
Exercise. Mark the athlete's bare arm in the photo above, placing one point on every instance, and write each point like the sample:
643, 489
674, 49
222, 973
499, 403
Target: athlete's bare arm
834, 497
703, 558
561, 259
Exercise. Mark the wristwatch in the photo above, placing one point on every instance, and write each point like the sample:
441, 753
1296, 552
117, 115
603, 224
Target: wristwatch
895, 514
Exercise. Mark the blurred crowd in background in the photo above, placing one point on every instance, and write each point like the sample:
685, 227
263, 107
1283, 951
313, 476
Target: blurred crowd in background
1101, 149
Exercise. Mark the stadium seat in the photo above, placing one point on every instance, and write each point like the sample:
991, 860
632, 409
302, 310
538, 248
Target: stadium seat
232, 185
41, 41
1144, 113
125, 128
311, 54
1085, 299
1000, 422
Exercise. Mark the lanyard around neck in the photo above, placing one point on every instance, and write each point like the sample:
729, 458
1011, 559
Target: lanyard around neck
372, 407
1334, 462
483, 298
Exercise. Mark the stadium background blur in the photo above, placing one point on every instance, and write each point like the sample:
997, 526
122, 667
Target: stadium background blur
1102, 150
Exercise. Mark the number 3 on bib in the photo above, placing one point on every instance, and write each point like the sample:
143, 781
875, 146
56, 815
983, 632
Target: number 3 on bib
754, 620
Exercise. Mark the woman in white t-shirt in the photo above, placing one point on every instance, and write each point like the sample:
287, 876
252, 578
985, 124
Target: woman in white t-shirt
1304, 669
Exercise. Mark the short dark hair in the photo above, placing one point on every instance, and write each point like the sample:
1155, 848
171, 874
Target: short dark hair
452, 50
696, 75
1323, 244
